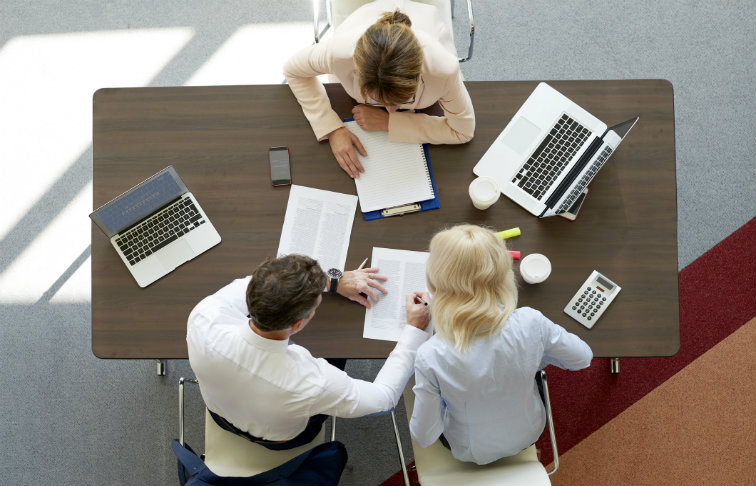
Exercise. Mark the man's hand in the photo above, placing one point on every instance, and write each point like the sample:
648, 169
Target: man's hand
371, 118
343, 143
357, 284
418, 314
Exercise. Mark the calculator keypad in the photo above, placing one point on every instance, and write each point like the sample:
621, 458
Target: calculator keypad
588, 303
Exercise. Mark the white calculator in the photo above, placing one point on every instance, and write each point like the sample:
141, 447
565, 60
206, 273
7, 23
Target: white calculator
592, 299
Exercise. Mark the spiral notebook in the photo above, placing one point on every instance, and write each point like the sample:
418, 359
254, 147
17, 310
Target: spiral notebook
396, 174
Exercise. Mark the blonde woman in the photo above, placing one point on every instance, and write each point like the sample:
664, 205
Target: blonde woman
475, 379
389, 55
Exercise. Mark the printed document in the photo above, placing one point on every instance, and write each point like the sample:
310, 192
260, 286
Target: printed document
406, 273
318, 224
396, 173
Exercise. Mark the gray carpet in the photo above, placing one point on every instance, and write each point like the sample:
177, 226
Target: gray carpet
70, 418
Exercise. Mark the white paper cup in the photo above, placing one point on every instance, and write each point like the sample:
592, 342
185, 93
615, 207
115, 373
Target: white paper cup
535, 268
484, 192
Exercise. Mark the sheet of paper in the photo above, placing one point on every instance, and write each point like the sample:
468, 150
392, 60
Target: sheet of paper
318, 224
396, 173
406, 273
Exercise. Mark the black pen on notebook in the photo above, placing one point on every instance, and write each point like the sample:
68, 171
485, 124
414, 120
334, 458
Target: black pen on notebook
420, 300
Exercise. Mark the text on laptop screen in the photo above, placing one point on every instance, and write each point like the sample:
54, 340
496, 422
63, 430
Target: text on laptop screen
139, 202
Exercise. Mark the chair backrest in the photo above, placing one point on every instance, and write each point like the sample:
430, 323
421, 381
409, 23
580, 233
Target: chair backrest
227, 454
232, 459
338, 10
341, 9
320, 466
436, 466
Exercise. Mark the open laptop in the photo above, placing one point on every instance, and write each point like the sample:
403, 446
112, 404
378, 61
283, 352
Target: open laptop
156, 226
549, 152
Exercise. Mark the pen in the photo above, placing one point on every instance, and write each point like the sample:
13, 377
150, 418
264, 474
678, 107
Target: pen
360, 268
508, 233
420, 299
362, 264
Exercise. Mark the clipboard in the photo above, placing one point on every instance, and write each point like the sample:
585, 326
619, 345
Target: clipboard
409, 208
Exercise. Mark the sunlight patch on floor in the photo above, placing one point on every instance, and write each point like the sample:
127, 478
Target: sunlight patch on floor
47, 84
254, 54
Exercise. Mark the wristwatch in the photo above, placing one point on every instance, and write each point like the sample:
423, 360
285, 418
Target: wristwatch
334, 274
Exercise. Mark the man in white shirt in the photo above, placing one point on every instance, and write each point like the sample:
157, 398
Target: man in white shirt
258, 384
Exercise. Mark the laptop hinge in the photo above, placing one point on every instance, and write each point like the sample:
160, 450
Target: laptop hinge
574, 172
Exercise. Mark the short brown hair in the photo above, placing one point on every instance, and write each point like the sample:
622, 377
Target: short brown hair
388, 59
283, 290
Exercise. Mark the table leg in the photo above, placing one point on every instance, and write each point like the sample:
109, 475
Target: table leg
614, 366
160, 367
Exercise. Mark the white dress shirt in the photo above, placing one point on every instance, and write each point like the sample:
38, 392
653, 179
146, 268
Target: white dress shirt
270, 388
485, 401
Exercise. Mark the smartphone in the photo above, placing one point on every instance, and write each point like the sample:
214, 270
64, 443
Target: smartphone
280, 171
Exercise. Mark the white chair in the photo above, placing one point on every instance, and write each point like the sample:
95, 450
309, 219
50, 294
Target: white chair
227, 454
338, 10
437, 467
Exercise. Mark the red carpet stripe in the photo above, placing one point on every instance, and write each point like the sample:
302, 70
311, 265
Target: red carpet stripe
717, 296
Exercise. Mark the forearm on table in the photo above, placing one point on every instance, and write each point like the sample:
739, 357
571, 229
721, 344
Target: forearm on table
436, 130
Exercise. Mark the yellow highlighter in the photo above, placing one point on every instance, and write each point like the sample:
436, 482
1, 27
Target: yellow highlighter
508, 233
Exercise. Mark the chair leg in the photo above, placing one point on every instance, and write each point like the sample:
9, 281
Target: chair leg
399, 449
472, 33
550, 421
182, 380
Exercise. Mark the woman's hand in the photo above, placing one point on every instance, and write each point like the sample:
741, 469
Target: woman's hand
359, 285
371, 118
418, 313
343, 143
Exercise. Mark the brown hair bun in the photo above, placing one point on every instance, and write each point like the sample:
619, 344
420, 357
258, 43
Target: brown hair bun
395, 17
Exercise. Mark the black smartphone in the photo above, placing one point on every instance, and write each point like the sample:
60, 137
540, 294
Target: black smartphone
280, 170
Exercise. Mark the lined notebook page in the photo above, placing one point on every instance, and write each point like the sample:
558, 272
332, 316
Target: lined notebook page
396, 173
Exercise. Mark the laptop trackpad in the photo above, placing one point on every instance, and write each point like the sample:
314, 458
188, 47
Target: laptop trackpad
178, 253
521, 136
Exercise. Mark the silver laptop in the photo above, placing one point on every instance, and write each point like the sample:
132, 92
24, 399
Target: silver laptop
549, 152
156, 226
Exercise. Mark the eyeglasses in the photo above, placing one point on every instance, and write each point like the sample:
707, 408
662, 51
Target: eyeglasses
370, 101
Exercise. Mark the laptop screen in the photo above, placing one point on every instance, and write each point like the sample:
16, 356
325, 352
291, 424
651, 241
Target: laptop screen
140, 201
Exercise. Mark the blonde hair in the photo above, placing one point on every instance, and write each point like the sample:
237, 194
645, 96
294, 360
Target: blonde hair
388, 59
469, 272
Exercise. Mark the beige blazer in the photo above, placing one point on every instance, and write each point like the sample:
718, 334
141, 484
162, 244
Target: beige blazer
440, 78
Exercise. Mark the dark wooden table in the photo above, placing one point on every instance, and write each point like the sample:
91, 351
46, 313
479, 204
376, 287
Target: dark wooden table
217, 138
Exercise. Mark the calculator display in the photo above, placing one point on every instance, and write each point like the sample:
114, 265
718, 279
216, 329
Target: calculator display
604, 283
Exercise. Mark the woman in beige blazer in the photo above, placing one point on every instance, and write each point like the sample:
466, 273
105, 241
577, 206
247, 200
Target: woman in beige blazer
392, 53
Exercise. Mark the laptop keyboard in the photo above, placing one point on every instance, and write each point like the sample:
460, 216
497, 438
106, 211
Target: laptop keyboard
580, 185
159, 230
551, 157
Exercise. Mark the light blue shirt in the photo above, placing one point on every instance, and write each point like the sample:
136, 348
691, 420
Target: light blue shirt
485, 401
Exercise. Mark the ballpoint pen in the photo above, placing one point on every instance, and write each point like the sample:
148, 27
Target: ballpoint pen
420, 299
360, 268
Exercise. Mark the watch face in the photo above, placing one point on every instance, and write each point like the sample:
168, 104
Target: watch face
334, 273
